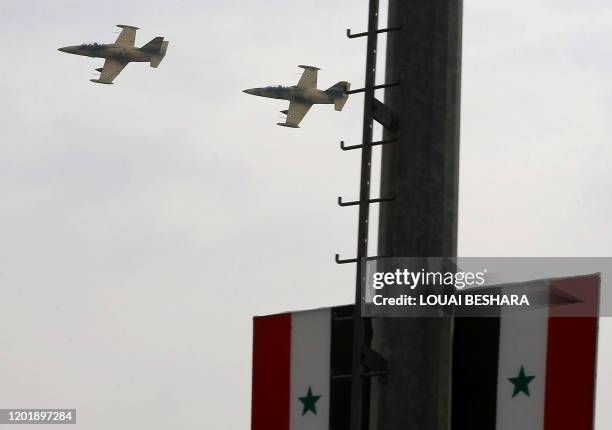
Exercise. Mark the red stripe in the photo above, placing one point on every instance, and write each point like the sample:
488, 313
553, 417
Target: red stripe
271, 372
571, 357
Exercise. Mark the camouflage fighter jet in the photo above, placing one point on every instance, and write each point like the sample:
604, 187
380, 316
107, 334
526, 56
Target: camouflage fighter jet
120, 53
303, 95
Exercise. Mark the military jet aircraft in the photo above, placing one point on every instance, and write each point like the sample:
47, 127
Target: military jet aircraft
120, 53
303, 95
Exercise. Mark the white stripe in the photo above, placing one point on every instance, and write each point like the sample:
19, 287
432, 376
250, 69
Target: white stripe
522, 342
310, 367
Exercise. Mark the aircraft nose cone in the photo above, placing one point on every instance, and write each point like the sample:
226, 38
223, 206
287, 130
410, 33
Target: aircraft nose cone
252, 91
68, 49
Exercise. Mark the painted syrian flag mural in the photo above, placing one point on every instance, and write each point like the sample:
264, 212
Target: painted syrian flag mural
292, 362
529, 372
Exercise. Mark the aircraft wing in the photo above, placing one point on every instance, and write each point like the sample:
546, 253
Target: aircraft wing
127, 37
111, 69
309, 77
297, 111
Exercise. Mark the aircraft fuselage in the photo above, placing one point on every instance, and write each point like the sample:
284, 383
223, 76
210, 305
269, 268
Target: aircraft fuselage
109, 51
296, 94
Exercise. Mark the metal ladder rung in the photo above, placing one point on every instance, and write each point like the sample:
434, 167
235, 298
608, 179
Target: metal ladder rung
357, 202
365, 33
376, 87
380, 142
356, 260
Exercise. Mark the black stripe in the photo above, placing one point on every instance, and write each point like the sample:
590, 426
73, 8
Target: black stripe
475, 365
341, 363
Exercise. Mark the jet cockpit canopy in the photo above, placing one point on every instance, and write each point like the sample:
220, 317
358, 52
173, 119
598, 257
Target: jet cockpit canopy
91, 45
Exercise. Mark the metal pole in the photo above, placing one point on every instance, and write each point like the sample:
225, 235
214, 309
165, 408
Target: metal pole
421, 170
360, 390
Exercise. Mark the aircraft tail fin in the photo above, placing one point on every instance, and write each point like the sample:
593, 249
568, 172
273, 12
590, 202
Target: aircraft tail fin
339, 92
157, 48
154, 45
100, 81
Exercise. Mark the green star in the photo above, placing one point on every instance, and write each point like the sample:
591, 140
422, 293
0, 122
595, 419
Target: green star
521, 383
309, 402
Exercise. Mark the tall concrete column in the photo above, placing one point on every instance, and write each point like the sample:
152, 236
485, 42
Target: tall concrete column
421, 170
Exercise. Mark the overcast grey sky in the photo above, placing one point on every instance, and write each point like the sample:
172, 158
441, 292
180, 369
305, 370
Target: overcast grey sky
146, 222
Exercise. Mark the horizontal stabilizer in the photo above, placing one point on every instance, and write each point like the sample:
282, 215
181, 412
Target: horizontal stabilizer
99, 69
130, 27
339, 103
98, 81
287, 124
339, 92
161, 53
302, 66
285, 111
